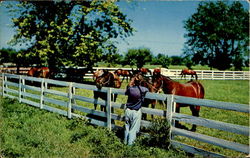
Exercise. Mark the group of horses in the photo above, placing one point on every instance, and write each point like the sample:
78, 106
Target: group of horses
155, 82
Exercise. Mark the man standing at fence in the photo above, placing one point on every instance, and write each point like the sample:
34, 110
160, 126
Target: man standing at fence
136, 94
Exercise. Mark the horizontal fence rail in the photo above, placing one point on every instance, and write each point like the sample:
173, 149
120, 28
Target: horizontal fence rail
172, 73
23, 89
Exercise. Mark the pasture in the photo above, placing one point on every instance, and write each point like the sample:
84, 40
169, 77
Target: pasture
230, 91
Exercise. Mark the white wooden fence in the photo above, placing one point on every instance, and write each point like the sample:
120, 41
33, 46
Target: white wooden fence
15, 86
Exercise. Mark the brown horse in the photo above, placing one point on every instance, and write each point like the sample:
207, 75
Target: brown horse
98, 73
42, 72
189, 89
142, 71
185, 72
107, 79
124, 73
156, 73
145, 71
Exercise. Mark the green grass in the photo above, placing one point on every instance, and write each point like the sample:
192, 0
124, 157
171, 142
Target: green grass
29, 132
228, 91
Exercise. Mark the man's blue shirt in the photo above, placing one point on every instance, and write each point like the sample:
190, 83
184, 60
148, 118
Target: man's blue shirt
135, 97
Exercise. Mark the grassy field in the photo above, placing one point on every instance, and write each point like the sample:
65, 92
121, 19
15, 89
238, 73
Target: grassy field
29, 132
228, 91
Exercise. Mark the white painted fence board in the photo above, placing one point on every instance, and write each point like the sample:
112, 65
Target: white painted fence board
97, 122
91, 120
11, 90
90, 100
12, 84
145, 123
118, 91
31, 88
55, 101
25, 94
88, 110
11, 75
243, 130
30, 102
212, 140
156, 96
56, 82
10, 96
151, 111
51, 109
85, 86
118, 105
95, 112
63, 94
213, 104
194, 150
32, 78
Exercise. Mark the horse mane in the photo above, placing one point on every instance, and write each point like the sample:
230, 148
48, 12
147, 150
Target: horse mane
166, 77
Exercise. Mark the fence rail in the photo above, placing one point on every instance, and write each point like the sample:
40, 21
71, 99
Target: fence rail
15, 86
172, 73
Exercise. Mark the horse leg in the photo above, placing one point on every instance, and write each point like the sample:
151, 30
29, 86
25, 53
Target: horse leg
195, 112
177, 124
153, 106
146, 104
95, 97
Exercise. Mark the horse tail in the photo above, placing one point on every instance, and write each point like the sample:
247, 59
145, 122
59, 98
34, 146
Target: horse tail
201, 90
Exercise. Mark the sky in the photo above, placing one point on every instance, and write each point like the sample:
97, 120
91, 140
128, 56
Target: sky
159, 25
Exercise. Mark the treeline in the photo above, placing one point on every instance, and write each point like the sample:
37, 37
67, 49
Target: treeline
133, 58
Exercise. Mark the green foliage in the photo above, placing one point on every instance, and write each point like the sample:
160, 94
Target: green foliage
69, 32
159, 134
162, 60
138, 57
7, 55
218, 32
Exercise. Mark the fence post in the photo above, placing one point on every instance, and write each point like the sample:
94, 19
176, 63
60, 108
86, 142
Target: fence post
3, 84
42, 94
70, 100
20, 89
170, 111
23, 83
74, 92
108, 107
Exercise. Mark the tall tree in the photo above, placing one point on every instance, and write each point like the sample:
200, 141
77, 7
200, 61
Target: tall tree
161, 59
217, 34
69, 32
138, 57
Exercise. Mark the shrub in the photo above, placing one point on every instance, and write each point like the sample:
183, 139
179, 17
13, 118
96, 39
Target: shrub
159, 134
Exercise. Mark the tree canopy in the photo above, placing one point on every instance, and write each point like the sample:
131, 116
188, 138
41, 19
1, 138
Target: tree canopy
69, 32
218, 34
138, 57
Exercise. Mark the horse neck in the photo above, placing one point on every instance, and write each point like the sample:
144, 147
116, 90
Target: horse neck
168, 84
